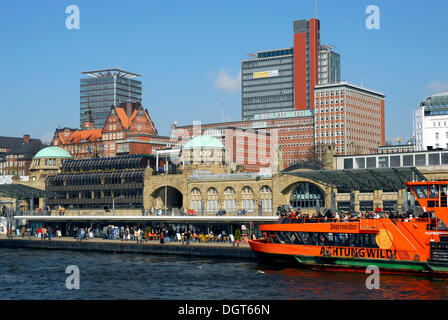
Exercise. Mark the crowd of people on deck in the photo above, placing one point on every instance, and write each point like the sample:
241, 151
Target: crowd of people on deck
328, 215
129, 233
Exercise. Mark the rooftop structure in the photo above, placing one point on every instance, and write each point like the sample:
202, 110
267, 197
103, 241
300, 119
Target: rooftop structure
104, 89
431, 122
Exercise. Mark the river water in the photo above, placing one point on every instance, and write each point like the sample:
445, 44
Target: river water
40, 274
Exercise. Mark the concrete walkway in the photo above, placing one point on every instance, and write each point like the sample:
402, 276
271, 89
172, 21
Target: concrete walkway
150, 242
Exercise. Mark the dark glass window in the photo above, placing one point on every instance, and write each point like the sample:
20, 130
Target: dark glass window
361, 163
421, 191
433, 191
371, 162
434, 159
348, 163
383, 162
408, 160
420, 160
444, 157
307, 195
395, 161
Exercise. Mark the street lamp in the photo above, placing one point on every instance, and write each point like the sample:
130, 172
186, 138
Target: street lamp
166, 187
113, 203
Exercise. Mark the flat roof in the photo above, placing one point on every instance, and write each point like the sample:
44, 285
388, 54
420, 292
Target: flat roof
347, 84
20, 191
172, 219
364, 180
390, 154
111, 72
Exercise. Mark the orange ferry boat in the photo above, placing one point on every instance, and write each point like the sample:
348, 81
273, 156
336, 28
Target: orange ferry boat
416, 244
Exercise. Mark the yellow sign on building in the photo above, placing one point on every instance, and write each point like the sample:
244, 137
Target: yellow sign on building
265, 74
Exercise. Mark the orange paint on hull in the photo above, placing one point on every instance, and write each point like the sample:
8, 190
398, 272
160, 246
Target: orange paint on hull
399, 245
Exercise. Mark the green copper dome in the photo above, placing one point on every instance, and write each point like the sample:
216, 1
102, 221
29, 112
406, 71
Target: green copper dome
52, 153
204, 142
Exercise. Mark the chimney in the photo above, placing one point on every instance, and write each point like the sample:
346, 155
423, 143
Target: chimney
26, 138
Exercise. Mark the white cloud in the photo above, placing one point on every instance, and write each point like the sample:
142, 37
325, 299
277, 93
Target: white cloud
225, 82
438, 86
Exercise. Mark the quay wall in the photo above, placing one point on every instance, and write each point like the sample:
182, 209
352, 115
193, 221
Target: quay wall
208, 251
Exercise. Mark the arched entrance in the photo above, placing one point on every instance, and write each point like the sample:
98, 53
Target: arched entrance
167, 197
307, 195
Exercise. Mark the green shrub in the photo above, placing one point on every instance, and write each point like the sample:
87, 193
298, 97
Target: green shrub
237, 234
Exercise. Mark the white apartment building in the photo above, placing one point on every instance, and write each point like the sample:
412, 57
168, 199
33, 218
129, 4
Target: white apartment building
431, 123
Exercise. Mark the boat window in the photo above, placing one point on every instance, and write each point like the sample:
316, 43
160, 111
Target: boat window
299, 239
286, 237
304, 237
280, 237
294, 238
432, 204
433, 191
421, 191
443, 195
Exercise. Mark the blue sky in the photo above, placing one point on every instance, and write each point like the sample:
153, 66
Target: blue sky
189, 54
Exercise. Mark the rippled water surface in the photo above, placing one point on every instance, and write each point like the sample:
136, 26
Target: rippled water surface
40, 274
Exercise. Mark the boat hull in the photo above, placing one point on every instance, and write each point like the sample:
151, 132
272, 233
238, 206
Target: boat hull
346, 263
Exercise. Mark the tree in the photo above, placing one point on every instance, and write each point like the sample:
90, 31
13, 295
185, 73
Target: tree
237, 234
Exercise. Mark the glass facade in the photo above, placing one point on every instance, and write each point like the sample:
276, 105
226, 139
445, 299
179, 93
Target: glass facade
268, 83
417, 159
307, 195
101, 93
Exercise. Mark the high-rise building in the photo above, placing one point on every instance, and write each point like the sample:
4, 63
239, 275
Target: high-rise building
105, 89
267, 83
306, 47
283, 80
431, 123
329, 65
349, 117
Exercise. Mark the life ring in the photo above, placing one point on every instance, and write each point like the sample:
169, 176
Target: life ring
392, 256
416, 257
327, 253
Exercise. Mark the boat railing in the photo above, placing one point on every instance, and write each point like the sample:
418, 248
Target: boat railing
365, 223
371, 224
288, 220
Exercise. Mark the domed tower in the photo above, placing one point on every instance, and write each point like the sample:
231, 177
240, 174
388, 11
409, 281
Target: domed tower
204, 152
88, 122
47, 161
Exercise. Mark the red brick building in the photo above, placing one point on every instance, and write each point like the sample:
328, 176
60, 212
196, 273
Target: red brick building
291, 132
128, 130
349, 117
16, 154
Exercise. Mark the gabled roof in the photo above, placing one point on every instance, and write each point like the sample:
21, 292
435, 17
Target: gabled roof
88, 135
19, 147
126, 121
123, 117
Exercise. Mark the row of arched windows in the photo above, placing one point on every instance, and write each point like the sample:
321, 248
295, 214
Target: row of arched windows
228, 201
